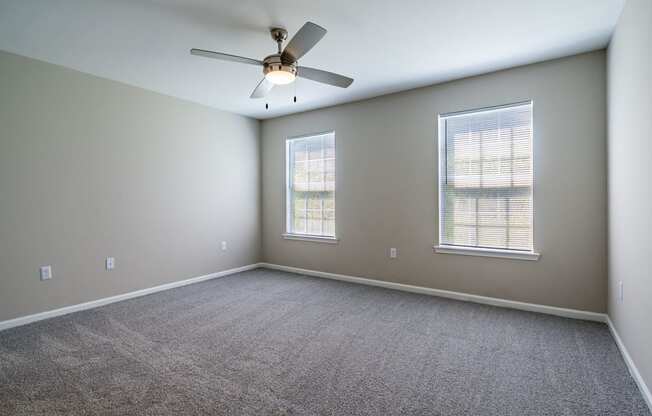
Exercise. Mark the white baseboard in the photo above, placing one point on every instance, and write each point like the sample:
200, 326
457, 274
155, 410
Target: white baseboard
23, 320
645, 391
532, 307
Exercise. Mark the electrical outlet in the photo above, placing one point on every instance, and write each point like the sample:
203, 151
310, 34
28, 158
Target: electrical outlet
46, 272
223, 245
110, 263
620, 290
393, 253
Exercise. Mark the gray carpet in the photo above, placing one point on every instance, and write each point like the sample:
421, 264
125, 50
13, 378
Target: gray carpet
272, 343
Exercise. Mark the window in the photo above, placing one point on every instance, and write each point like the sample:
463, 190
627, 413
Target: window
310, 194
485, 179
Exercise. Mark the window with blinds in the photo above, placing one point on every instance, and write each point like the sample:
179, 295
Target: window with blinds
485, 189
310, 173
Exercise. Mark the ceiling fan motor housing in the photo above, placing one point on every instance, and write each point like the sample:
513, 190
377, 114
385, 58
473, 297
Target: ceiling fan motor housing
274, 63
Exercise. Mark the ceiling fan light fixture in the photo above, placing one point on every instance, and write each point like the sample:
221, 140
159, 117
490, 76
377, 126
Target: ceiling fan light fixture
280, 77
278, 72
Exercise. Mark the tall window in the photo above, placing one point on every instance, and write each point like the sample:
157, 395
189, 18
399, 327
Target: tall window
310, 173
485, 189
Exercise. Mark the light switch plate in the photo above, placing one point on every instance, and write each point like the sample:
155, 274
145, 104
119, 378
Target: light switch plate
110, 263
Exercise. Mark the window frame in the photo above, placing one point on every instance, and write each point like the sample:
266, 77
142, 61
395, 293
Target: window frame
442, 248
288, 234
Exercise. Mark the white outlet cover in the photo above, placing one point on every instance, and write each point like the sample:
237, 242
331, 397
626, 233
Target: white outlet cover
223, 245
110, 263
46, 272
393, 253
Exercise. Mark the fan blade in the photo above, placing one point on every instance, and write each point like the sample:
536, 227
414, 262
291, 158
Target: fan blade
262, 89
324, 77
225, 57
303, 41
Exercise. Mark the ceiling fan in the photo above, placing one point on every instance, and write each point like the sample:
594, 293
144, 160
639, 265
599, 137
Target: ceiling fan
282, 67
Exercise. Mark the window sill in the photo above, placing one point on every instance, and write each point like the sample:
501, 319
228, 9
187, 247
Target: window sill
487, 252
311, 238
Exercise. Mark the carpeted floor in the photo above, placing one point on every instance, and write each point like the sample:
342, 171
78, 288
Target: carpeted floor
272, 343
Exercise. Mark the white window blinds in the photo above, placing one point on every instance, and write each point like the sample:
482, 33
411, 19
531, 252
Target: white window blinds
310, 169
485, 189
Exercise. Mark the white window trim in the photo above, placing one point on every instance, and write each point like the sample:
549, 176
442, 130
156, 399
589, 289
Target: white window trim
287, 235
311, 238
481, 251
487, 252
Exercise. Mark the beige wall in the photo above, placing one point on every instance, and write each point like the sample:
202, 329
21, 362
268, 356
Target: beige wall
104, 169
630, 181
91, 168
387, 186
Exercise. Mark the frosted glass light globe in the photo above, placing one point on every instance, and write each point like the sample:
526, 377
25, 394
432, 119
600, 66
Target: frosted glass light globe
280, 77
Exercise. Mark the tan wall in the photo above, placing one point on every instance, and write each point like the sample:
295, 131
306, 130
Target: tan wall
151, 180
387, 186
91, 168
630, 181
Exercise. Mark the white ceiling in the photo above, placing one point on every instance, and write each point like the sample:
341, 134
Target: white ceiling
386, 45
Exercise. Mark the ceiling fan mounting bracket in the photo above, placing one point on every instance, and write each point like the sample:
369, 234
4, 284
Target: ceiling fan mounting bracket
279, 35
